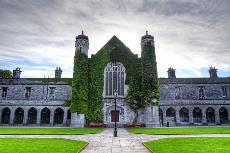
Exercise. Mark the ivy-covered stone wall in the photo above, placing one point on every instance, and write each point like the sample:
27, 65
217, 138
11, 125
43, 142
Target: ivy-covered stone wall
79, 100
150, 83
88, 79
113, 51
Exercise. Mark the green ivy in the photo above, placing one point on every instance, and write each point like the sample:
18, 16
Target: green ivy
150, 82
79, 100
113, 51
88, 79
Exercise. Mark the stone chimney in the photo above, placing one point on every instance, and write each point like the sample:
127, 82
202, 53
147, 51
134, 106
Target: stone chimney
171, 73
213, 72
58, 72
16, 73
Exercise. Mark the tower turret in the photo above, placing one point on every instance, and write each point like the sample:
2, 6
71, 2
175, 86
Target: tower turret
147, 40
17, 73
58, 72
213, 72
171, 73
150, 82
82, 43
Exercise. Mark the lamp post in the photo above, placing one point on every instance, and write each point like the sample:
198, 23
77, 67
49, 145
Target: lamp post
115, 102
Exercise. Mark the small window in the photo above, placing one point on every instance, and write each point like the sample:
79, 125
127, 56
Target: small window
4, 92
28, 92
201, 92
51, 92
224, 91
177, 92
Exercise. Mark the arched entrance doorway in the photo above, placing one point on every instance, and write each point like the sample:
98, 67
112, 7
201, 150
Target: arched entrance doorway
223, 113
197, 115
32, 116
58, 116
45, 116
19, 115
171, 116
184, 115
210, 115
6, 116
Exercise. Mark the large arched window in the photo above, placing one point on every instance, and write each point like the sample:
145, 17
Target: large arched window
114, 77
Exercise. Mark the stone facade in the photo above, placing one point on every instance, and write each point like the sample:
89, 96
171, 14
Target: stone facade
194, 101
183, 101
34, 103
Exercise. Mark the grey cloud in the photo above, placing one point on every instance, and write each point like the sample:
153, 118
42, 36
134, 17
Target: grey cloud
31, 28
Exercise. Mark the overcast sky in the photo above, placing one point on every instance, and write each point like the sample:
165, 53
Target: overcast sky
190, 35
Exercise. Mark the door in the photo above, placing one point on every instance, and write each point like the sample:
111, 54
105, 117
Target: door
114, 116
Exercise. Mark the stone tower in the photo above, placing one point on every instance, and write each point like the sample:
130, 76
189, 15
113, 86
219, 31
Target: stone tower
79, 99
213, 72
171, 73
82, 43
150, 82
58, 72
17, 73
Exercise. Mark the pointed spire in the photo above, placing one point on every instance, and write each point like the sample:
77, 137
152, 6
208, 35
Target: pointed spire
82, 32
147, 32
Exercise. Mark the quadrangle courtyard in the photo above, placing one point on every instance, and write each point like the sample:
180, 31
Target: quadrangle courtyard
103, 141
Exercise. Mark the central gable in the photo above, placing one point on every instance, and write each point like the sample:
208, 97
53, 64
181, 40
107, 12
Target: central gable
115, 51
115, 48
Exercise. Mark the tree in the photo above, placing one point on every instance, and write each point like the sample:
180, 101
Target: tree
144, 88
134, 97
5, 74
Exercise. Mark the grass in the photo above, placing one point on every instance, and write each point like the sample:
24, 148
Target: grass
189, 145
40, 145
49, 131
181, 130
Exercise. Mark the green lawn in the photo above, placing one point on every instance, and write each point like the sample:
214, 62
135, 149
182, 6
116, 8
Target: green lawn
181, 130
190, 145
50, 131
40, 145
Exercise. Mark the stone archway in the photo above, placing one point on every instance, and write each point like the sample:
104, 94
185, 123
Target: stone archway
45, 116
171, 114
19, 115
197, 115
184, 115
5, 116
58, 116
210, 115
32, 116
223, 113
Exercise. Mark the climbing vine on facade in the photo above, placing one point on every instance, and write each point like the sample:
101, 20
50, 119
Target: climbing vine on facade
79, 100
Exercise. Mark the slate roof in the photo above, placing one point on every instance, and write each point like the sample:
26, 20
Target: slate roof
194, 81
36, 81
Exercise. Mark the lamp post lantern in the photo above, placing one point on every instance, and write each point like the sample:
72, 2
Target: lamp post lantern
115, 102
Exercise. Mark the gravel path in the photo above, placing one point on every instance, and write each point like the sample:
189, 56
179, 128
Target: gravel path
105, 142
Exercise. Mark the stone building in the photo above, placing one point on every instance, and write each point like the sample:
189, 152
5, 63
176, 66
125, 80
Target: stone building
183, 101
194, 101
34, 101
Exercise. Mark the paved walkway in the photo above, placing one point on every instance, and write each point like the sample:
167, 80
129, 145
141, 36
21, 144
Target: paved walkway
105, 142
